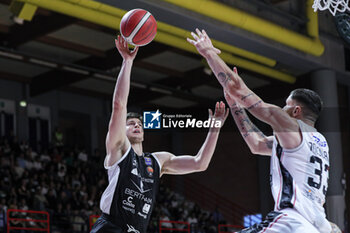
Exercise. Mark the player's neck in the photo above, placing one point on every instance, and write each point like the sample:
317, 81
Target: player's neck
309, 122
137, 146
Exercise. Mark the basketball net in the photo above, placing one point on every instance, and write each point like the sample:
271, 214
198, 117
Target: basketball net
333, 6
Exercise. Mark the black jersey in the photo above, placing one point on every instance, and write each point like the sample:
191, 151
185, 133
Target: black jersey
131, 192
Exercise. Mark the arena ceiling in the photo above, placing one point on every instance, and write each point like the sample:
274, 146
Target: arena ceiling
56, 51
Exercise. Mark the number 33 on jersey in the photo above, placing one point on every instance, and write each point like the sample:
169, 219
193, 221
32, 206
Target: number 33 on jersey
299, 177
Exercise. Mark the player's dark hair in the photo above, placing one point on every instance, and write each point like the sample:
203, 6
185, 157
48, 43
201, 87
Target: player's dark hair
133, 115
310, 100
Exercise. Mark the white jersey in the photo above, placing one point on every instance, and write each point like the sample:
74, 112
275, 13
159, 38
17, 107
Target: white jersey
299, 177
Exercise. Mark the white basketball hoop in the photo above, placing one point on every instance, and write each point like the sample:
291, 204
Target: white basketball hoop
333, 6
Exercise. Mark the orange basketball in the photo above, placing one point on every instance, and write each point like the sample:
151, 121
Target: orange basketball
138, 27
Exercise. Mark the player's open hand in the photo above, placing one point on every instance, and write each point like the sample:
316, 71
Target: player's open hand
220, 114
124, 50
202, 43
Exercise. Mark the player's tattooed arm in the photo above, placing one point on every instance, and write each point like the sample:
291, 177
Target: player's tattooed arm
256, 140
251, 101
224, 78
286, 128
271, 114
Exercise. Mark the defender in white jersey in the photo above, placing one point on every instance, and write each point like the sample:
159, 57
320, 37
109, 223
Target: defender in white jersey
133, 175
299, 154
299, 176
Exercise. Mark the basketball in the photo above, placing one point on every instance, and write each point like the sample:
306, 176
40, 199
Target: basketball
138, 27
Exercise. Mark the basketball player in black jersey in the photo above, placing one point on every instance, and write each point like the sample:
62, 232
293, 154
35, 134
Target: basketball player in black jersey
133, 175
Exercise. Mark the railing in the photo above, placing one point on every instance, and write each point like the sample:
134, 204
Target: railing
186, 224
18, 219
228, 228
209, 199
92, 220
72, 223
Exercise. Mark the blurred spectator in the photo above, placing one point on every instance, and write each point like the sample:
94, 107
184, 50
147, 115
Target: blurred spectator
5, 160
69, 159
3, 209
192, 219
37, 164
31, 154
51, 198
217, 216
21, 160
7, 149
167, 225
40, 201
3, 205
44, 157
23, 205
79, 225
61, 173
60, 218
57, 156
58, 137
29, 163
82, 156
16, 215
22, 190
18, 170
24, 146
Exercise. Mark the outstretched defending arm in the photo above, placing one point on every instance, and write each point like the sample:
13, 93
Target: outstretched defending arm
116, 140
256, 140
185, 164
286, 128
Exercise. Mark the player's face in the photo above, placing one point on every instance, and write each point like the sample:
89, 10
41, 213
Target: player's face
289, 107
134, 130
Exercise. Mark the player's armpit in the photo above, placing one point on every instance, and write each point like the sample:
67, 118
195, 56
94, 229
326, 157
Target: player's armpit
265, 146
114, 154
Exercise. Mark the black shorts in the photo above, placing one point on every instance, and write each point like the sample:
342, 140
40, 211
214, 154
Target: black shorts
104, 225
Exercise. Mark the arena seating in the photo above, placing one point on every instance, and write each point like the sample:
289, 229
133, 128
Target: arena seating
58, 181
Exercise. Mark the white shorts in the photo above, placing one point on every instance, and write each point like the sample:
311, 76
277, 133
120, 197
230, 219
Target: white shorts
284, 221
